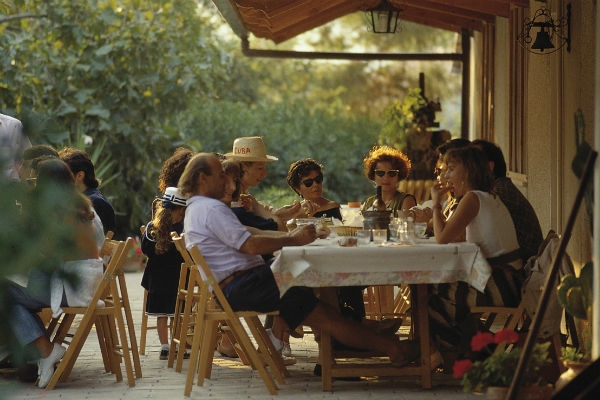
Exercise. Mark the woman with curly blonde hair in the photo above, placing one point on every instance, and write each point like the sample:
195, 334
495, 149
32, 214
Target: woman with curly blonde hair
386, 167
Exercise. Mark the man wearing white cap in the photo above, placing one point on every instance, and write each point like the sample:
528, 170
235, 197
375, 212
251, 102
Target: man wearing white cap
250, 152
233, 254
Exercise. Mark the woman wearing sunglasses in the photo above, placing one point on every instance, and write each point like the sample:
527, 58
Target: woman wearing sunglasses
386, 166
305, 177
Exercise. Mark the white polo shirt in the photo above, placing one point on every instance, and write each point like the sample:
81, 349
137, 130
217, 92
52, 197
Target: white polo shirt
214, 228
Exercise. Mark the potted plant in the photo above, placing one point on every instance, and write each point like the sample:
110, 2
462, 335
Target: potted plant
136, 260
410, 126
491, 370
575, 294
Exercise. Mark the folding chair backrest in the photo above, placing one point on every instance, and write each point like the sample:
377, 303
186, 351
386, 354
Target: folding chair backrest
188, 296
117, 256
200, 273
180, 246
537, 270
209, 279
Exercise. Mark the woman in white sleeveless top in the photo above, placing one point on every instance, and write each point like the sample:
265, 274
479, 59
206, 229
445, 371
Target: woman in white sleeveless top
485, 220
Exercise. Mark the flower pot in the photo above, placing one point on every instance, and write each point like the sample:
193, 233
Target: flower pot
532, 392
573, 369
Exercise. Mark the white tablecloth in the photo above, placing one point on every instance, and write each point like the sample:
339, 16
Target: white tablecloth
325, 263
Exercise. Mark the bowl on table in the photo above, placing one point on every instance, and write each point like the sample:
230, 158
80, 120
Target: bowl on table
343, 230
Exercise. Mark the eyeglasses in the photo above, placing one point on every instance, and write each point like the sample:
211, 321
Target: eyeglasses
309, 182
392, 173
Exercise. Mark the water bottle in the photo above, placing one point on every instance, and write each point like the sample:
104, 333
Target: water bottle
394, 226
410, 230
402, 225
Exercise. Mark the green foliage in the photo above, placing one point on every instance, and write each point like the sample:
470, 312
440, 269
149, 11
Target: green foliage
33, 236
142, 78
117, 71
575, 294
572, 354
400, 118
498, 369
292, 132
30, 236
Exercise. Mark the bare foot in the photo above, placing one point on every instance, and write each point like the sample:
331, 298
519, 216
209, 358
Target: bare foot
403, 352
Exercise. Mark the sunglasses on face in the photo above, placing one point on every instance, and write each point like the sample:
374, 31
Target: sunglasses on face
309, 182
391, 173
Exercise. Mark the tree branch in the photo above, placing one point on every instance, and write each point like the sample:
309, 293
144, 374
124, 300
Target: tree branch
21, 16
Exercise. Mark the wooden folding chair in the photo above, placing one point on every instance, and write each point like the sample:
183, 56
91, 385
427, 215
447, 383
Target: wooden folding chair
208, 315
184, 321
386, 302
518, 318
144, 327
107, 251
108, 321
123, 297
184, 318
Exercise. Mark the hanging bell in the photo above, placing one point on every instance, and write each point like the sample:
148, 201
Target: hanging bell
542, 41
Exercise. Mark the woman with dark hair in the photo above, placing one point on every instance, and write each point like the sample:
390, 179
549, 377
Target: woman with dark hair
84, 172
305, 177
386, 166
486, 221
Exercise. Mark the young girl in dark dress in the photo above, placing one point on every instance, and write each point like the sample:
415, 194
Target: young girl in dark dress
161, 275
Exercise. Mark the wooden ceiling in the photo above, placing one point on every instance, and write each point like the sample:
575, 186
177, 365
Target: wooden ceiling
280, 20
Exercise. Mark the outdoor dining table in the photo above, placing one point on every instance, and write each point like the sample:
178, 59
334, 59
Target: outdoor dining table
326, 265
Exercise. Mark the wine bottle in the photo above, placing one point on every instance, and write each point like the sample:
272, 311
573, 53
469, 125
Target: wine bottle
379, 204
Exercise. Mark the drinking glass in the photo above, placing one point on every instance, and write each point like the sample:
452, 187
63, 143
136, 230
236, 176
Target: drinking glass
379, 236
394, 225
363, 236
420, 230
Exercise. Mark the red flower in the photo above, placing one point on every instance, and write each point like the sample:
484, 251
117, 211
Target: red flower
138, 251
507, 336
461, 367
480, 340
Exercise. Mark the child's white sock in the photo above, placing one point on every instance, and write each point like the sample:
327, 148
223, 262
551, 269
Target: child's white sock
278, 344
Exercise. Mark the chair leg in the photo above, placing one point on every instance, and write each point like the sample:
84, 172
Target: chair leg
187, 321
133, 346
110, 337
248, 347
125, 350
176, 325
206, 354
144, 327
66, 364
63, 327
194, 358
266, 348
105, 347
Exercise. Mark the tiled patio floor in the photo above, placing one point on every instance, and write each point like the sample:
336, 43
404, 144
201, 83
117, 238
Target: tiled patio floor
230, 379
